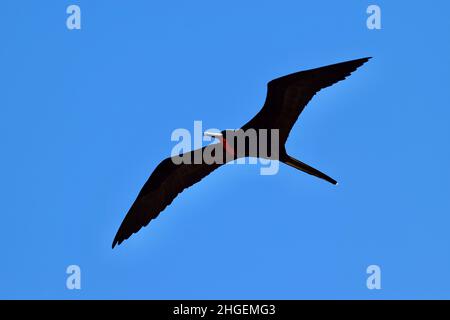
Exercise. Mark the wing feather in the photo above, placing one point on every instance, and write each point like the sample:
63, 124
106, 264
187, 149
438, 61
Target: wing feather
162, 187
287, 96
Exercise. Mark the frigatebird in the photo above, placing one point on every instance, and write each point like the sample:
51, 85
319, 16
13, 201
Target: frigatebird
286, 98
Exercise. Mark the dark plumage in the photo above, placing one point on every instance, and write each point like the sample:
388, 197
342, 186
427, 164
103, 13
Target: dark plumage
286, 98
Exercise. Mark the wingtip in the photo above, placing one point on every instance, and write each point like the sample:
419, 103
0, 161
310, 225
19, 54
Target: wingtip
363, 60
115, 242
359, 62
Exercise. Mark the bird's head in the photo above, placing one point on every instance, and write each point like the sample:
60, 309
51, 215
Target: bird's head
220, 135
217, 135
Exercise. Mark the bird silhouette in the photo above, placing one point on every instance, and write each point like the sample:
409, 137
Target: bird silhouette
286, 98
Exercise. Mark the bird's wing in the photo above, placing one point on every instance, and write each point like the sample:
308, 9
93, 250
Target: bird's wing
162, 187
287, 96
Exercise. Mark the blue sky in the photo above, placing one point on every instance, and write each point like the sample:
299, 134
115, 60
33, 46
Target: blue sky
86, 115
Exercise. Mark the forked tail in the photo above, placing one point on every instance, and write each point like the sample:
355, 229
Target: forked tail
305, 168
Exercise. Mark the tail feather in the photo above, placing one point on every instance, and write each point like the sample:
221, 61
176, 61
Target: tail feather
308, 169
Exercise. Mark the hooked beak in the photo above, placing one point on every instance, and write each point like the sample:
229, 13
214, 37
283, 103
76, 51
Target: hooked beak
216, 135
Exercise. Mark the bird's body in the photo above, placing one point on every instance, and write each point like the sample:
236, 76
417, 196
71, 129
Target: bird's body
264, 136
